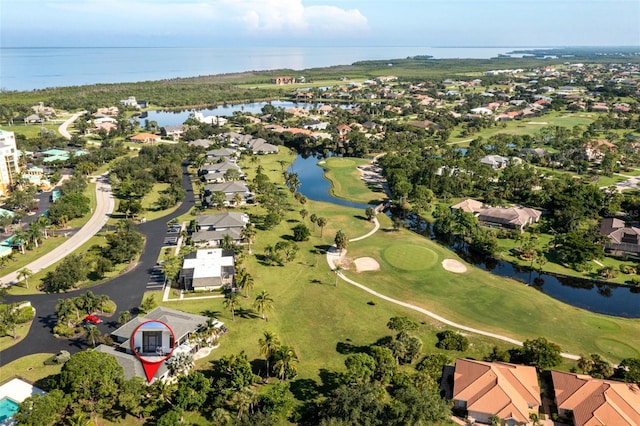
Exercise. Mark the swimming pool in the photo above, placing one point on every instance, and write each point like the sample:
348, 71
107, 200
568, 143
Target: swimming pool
8, 408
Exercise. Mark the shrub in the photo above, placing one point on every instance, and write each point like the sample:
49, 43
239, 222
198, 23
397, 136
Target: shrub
62, 329
452, 341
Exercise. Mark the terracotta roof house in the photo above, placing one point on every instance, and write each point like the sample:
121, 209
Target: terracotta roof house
145, 138
212, 228
622, 239
595, 402
485, 389
595, 149
511, 218
205, 270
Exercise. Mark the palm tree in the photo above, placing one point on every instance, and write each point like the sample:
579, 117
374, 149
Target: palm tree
24, 274
245, 401
232, 303
220, 416
34, 233
269, 345
303, 214
285, 357
237, 199
248, 233
20, 237
227, 242
44, 223
263, 303
245, 281
65, 309
180, 363
322, 222
92, 334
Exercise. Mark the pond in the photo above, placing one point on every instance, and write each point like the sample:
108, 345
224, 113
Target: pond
174, 118
315, 186
602, 298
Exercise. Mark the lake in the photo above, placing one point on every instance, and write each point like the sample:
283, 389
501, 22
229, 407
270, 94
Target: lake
602, 298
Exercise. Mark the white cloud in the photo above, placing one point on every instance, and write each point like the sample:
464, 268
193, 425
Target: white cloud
257, 17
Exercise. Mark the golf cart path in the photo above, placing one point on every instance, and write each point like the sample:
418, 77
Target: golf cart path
333, 254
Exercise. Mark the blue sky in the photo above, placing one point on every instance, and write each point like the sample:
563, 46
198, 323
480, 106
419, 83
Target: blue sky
432, 23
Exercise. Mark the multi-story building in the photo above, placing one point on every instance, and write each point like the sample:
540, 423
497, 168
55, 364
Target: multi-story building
9, 167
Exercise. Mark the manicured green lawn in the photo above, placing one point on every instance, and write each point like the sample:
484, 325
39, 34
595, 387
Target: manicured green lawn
21, 332
30, 367
346, 182
480, 299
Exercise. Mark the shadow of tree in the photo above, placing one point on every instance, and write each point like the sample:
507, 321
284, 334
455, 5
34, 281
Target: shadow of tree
304, 389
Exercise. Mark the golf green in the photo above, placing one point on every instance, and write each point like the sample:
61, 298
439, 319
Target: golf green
616, 348
410, 257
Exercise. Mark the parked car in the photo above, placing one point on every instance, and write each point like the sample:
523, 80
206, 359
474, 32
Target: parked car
92, 319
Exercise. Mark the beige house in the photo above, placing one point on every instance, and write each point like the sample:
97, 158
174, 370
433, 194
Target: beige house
594, 402
510, 218
486, 389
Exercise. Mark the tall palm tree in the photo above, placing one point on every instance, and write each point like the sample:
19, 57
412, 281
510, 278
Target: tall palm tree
92, 334
285, 359
248, 234
232, 303
263, 303
20, 238
245, 281
322, 222
34, 232
24, 274
245, 401
65, 309
44, 224
269, 345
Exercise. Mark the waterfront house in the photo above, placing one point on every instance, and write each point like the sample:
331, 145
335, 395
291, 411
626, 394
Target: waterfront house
510, 218
621, 239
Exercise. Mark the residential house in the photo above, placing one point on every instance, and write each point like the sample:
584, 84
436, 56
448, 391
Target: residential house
343, 131
314, 125
146, 138
510, 218
204, 143
130, 338
283, 79
230, 189
210, 119
219, 172
173, 132
485, 389
586, 401
211, 229
622, 239
206, 270
595, 150
34, 119
261, 146
496, 162
130, 101
226, 154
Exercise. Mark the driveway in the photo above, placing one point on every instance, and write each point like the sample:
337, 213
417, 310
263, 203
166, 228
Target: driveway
126, 291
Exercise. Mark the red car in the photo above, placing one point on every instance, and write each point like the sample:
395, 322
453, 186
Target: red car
92, 319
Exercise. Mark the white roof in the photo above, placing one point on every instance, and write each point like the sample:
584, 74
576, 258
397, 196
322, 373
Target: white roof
208, 263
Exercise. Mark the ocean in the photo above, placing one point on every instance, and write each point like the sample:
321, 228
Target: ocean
38, 68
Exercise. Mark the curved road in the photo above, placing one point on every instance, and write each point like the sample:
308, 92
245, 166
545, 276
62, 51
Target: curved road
126, 291
333, 254
63, 127
104, 207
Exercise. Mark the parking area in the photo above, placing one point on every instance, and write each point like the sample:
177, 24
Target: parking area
156, 279
173, 234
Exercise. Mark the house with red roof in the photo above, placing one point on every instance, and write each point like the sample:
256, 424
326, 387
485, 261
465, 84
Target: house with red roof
586, 401
145, 138
486, 389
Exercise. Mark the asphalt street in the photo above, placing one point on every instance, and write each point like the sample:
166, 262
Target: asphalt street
126, 291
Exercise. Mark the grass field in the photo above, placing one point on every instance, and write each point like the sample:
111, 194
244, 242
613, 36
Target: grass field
30, 367
21, 331
346, 182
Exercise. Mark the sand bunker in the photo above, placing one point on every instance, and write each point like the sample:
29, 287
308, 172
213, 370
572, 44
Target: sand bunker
366, 264
454, 266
